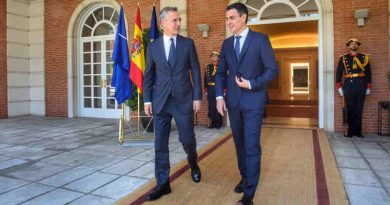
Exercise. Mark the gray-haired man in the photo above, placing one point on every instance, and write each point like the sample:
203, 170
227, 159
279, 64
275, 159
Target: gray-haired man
168, 92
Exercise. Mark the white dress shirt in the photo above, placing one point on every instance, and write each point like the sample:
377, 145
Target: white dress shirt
243, 35
167, 44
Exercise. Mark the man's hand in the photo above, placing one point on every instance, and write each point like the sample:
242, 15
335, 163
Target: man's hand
196, 105
242, 82
368, 91
221, 106
148, 109
341, 91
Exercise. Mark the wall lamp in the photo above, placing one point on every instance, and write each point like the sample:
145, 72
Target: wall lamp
360, 15
204, 28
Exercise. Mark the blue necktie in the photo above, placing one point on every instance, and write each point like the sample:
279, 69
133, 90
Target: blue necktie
171, 56
237, 47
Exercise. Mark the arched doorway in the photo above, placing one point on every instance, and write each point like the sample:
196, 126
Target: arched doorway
301, 32
96, 66
91, 34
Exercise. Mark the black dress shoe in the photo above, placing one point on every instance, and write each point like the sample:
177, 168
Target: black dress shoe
240, 187
246, 200
159, 192
196, 175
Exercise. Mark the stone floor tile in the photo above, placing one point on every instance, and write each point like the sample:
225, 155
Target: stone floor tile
57, 196
10, 163
123, 167
23, 193
366, 195
4, 158
92, 200
69, 159
375, 153
91, 182
120, 187
102, 162
145, 156
132, 151
351, 162
35, 172
384, 177
359, 177
346, 151
7, 184
66, 177
380, 164
145, 171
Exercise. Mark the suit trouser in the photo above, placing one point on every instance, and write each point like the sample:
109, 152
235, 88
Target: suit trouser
246, 128
185, 125
215, 117
354, 97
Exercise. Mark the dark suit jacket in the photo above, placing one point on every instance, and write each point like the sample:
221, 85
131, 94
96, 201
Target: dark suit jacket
161, 80
256, 63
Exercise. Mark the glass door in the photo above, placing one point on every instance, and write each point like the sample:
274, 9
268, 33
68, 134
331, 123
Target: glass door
96, 93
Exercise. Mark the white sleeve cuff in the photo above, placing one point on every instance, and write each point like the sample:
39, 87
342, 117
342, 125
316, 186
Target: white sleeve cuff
147, 103
219, 97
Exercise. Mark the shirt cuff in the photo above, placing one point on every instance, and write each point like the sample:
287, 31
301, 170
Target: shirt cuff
219, 97
249, 83
338, 85
147, 103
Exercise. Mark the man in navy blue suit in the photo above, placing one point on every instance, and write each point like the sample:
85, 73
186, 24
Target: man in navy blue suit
170, 92
247, 64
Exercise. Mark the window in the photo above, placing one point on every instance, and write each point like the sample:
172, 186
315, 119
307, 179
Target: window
101, 21
261, 11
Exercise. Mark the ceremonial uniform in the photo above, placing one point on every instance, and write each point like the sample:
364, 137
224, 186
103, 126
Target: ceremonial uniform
209, 86
353, 75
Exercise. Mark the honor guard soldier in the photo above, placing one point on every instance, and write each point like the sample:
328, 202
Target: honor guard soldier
354, 68
209, 87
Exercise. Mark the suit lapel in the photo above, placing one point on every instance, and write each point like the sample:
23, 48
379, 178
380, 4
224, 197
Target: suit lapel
247, 42
161, 50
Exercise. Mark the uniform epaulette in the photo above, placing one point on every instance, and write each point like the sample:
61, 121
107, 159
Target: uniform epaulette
344, 55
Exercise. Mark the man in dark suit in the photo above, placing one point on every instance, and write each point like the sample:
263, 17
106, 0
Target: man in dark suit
355, 71
247, 63
169, 91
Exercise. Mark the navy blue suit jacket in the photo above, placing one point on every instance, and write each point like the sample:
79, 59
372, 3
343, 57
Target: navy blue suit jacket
161, 80
256, 63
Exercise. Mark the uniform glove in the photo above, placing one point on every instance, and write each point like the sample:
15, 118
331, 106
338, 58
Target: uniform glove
368, 91
341, 91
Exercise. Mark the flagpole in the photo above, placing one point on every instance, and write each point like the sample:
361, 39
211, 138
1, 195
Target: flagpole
121, 133
139, 115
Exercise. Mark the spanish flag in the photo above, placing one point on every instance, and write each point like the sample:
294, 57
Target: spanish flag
137, 54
